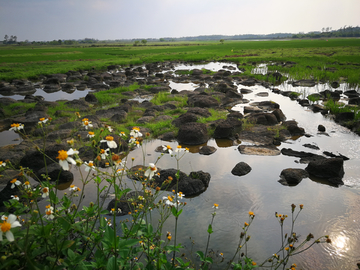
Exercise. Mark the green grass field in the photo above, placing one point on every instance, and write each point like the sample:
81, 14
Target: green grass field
312, 57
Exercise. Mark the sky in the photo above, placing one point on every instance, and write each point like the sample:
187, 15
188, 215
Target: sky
43, 20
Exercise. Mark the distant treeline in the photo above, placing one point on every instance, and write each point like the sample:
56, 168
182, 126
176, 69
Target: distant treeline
346, 31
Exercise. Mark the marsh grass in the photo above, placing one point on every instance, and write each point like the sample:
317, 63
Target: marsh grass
25, 62
17, 108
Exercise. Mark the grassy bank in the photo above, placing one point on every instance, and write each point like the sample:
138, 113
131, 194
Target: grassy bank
333, 59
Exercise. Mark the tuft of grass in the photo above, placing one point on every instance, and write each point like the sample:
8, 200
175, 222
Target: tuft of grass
161, 127
215, 115
164, 97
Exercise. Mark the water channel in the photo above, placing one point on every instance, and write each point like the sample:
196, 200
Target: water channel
328, 210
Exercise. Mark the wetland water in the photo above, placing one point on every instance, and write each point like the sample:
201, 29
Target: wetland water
327, 210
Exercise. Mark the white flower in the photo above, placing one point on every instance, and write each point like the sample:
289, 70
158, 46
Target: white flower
49, 211
122, 134
43, 121
109, 128
180, 195
74, 188
27, 185
135, 132
104, 153
167, 149
45, 191
6, 225
16, 126
169, 201
89, 166
14, 183
91, 134
86, 123
15, 197
2, 164
216, 206
110, 141
64, 158
150, 171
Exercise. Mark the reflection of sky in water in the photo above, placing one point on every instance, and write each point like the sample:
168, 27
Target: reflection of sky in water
9, 137
59, 95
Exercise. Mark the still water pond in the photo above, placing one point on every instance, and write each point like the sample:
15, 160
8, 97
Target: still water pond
327, 210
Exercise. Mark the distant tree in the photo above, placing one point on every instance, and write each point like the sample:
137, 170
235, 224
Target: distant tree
136, 43
6, 39
222, 41
144, 41
162, 39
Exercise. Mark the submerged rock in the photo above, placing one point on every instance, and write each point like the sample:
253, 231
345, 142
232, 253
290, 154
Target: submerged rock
259, 150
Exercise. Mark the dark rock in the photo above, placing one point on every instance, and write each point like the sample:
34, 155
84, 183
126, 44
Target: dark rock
125, 204
344, 116
280, 116
192, 134
354, 101
168, 136
240, 169
293, 128
185, 118
227, 129
203, 101
207, 150
199, 111
145, 119
191, 185
35, 160
56, 174
311, 146
331, 169
119, 117
157, 89
267, 119
329, 154
292, 177
90, 97
321, 128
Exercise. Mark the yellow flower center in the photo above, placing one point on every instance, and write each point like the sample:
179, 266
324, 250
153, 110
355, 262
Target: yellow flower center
91, 164
109, 138
1, 162
169, 198
153, 168
102, 151
62, 155
85, 119
86, 123
13, 181
168, 147
5, 226
179, 146
42, 119
48, 206
136, 128
72, 186
91, 133
15, 125
27, 183
45, 190
48, 212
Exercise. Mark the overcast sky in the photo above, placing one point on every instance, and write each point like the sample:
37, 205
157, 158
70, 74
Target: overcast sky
119, 19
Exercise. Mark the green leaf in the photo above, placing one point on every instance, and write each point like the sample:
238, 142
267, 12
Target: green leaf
111, 265
210, 230
201, 255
